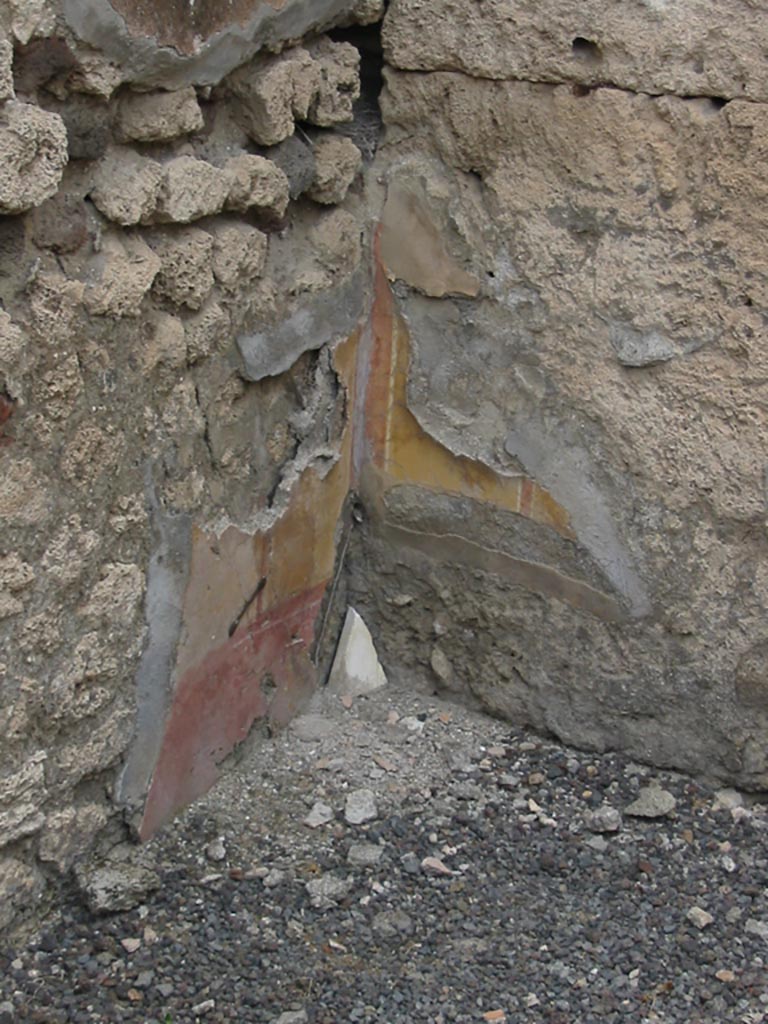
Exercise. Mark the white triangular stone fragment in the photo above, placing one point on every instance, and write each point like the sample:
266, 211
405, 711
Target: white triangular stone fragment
356, 669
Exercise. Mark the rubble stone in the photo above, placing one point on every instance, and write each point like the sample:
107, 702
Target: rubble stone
186, 265
124, 269
33, 154
191, 189
157, 116
356, 669
126, 186
115, 887
273, 92
239, 255
337, 164
257, 184
339, 82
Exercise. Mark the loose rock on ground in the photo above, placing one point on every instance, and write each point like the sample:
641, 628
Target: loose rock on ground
501, 878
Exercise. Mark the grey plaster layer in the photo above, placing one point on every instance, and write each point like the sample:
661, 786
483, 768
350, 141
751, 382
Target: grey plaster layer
570, 474
144, 60
466, 357
482, 523
167, 575
318, 319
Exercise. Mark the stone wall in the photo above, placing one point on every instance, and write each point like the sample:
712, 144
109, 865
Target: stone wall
582, 308
500, 380
177, 267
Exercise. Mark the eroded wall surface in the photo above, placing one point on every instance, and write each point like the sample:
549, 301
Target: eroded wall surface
574, 237
495, 369
182, 283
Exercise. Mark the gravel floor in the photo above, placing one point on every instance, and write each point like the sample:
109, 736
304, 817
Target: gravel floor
494, 877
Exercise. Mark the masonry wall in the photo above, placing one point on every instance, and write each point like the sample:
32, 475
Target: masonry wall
574, 235
518, 331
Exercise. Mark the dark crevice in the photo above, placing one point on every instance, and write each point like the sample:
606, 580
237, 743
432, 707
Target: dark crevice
366, 125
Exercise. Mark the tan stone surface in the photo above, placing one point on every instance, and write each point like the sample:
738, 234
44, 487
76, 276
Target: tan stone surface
689, 47
126, 186
258, 184
165, 343
338, 87
115, 597
33, 154
157, 116
24, 497
186, 273
15, 576
30, 18
21, 795
273, 92
620, 243
337, 163
191, 189
206, 331
124, 271
239, 255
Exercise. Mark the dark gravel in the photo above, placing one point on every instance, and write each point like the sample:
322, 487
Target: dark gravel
541, 920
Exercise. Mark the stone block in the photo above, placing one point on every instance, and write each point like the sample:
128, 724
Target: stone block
257, 184
116, 886
124, 271
239, 255
338, 86
33, 154
688, 48
126, 186
337, 163
157, 116
186, 265
91, 452
25, 500
271, 93
94, 75
92, 745
191, 189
